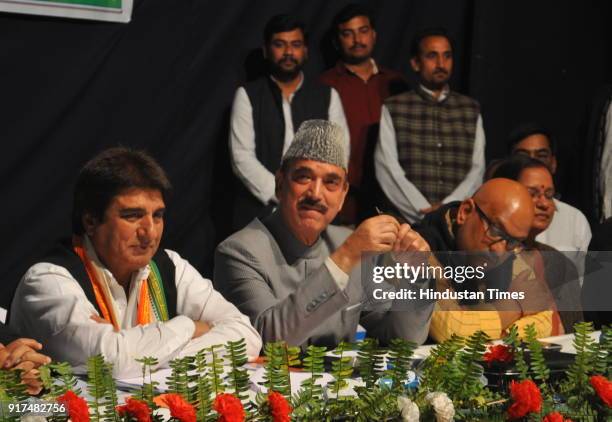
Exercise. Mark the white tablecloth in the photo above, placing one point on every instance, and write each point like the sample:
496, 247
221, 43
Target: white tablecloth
256, 370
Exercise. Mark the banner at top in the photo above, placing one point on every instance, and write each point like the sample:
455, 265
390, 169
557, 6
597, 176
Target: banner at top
103, 10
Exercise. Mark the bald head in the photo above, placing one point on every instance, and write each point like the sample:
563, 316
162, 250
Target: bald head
508, 201
505, 202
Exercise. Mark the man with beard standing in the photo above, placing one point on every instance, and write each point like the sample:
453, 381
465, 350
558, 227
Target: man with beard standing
363, 85
431, 148
266, 112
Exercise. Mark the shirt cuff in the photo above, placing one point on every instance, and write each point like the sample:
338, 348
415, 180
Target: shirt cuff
183, 328
340, 277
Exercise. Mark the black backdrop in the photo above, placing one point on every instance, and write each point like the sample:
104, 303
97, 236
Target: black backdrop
165, 82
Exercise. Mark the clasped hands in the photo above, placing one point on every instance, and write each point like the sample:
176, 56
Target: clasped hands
23, 354
382, 233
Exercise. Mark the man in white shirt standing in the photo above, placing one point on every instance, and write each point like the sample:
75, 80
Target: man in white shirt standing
431, 144
110, 291
268, 110
569, 229
591, 182
605, 169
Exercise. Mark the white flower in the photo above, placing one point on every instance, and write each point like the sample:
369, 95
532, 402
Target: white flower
442, 405
408, 409
33, 418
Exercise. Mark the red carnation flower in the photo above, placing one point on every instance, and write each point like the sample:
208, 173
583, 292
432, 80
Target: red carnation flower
603, 387
77, 408
280, 409
498, 353
527, 398
179, 408
136, 409
229, 408
555, 417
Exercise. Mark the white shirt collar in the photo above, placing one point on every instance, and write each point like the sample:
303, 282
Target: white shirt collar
375, 69
442, 96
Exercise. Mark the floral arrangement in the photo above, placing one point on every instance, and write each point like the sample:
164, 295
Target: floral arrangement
498, 353
449, 385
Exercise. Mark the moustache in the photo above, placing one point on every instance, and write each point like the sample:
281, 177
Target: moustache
288, 59
310, 204
442, 71
356, 46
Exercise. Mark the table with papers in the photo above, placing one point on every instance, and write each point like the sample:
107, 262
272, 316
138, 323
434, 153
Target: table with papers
256, 370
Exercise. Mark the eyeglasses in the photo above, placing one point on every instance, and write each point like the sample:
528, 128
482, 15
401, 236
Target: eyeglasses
538, 154
536, 193
497, 234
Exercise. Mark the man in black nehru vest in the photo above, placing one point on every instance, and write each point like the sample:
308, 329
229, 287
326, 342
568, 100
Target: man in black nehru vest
110, 290
266, 113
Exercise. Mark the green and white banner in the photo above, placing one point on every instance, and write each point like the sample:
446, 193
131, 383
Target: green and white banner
104, 10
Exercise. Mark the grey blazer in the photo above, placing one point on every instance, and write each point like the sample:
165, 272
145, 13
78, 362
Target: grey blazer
289, 294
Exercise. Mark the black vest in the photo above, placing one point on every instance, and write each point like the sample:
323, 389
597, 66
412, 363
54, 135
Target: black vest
64, 256
311, 101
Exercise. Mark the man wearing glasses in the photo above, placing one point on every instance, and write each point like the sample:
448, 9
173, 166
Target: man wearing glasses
488, 229
535, 141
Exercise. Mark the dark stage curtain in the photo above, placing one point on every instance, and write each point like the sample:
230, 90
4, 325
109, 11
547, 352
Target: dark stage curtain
165, 82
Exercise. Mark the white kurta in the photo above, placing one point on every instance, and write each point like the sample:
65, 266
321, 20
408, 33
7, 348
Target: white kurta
51, 306
570, 233
255, 176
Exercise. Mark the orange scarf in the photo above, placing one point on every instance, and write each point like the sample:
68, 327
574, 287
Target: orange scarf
144, 311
